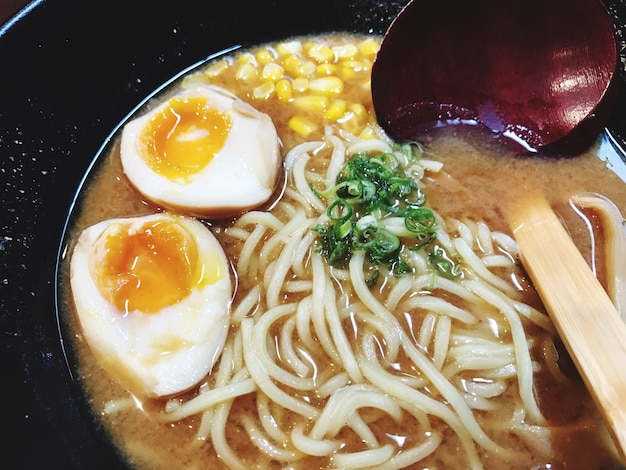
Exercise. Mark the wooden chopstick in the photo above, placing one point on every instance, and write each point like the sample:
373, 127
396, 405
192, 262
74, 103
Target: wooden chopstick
582, 312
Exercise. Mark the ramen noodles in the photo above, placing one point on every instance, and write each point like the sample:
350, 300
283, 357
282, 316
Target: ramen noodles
379, 314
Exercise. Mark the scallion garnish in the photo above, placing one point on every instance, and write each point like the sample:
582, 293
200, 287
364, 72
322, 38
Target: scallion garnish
444, 266
368, 191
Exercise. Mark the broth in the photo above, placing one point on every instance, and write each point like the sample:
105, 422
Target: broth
477, 183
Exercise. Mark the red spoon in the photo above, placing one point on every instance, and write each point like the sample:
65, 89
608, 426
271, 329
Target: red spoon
540, 74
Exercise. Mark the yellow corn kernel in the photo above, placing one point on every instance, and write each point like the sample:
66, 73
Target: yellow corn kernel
292, 64
356, 65
284, 90
336, 110
350, 123
368, 133
287, 48
369, 47
263, 91
246, 58
321, 53
347, 73
307, 69
300, 84
265, 56
247, 72
302, 126
272, 72
345, 51
216, 68
367, 86
311, 103
359, 111
326, 69
195, 79
326, 85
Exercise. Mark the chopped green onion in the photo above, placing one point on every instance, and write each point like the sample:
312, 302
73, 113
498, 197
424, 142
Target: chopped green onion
369, 189
443, 264
339, 211
379, 243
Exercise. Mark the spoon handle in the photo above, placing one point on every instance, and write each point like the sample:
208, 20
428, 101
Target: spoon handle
583, 314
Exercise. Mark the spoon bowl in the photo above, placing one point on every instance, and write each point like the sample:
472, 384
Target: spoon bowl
541, 75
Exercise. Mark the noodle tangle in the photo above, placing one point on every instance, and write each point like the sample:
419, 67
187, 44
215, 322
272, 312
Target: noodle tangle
328, 360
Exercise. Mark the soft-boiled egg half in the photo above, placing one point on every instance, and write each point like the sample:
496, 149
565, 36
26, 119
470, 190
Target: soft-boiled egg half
203, 152
152, 295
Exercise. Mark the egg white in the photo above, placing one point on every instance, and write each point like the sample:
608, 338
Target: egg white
242, 175
153, 354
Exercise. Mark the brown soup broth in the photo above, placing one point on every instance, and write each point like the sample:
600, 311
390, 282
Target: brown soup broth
478, 181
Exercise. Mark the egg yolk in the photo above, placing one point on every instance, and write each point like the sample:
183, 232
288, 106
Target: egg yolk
151, 268
184, 137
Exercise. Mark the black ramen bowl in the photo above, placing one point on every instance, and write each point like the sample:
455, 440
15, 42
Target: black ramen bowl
70, 71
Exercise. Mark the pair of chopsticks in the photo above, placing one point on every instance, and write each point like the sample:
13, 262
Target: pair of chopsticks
584, 316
